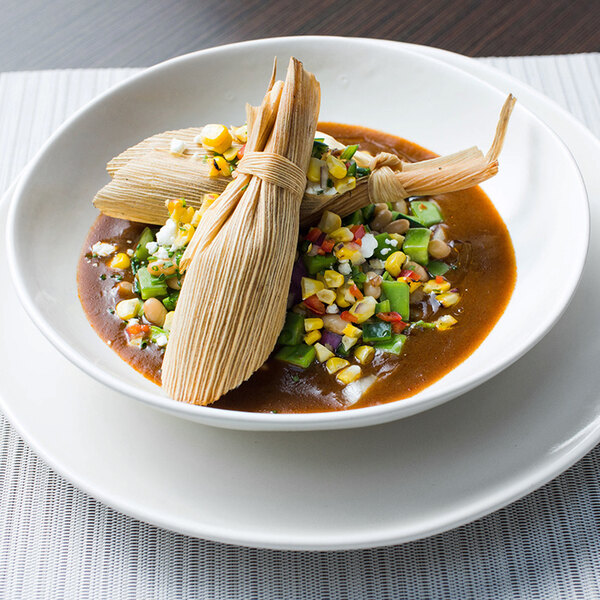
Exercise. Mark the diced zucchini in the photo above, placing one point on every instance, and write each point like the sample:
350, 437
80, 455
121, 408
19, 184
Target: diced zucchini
393, 346
411, 220
318, 262
437, 267
383, 307
416, 244
170, 301
380, 331
349, 152
141, 253
293, 330
426, 212
301, 355
149, 286
398, 294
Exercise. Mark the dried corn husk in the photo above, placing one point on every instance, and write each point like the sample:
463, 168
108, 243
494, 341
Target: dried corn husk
232, 305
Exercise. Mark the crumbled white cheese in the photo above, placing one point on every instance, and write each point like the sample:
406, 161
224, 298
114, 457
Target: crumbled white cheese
103, 249
132, 322
345, 268
332, 309
317, 190
162, 253
385, 251
369, 244
129, 252
376, 263
161, 340
152, 247
177, 146
166, 234
391, 242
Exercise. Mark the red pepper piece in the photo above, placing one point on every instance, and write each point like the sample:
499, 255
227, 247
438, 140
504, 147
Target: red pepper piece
439, 279
327, 246
241, 151
359, 232
398, 326
408, 274
356, 292
390, 317
314, 233
348, 316
314, 305
137, 330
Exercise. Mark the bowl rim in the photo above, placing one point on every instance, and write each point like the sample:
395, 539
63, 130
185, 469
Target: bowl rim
356, 417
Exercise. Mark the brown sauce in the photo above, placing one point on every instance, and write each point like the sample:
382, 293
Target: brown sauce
486, 286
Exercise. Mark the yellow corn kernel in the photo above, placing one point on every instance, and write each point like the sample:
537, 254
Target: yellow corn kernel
349, 374
351, 331
330, 222
448, 299
196, 218
231, 153
326, 296
344, 185
241, 133
364, 309
364, 354
216, 138
413, 285
313, 324
128, 309
445, 322
314, 170
344, 253
219, 166
310, 287
312, 337
394, 262
348, 342
185, 232
207, 200
323, 353
334, 364
333, 279
433, 286
340, 299
342, 234
183, 214
120, 261
168, 320
175, 205
336, 167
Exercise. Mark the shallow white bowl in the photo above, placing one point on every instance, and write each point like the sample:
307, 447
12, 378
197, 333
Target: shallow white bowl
539, 194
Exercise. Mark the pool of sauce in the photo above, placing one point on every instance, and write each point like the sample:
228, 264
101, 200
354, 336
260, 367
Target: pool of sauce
485, 277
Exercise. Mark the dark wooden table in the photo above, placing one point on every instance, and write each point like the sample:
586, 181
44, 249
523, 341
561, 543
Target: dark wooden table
42, 34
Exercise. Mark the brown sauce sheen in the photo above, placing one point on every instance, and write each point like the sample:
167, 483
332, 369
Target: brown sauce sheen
485, 287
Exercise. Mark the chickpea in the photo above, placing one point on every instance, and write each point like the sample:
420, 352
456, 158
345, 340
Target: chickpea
400, 226
382, 219
334, 323
162, 267
125, 289
373, 285
438, 249
411, 265
155, 311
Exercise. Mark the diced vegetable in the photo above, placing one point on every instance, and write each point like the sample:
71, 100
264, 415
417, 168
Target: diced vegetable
128, 309
301, 355
364, 354
383, 307
356, 218
170, 301
330, 222
156, 332
398, 294
394, 262
141, 252
426, 212
437, 267
349, 374
149, 286
318, 262
310, 287
293, 330
393, 346
349, 152
377, 332
367, 212
413, 221
333, 365
416, 242
384, 248
323, 353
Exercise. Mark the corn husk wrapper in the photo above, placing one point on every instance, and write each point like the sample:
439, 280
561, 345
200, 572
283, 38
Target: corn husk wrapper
238, 265
146, 174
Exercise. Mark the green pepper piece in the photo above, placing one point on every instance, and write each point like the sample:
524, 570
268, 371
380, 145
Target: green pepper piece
318, 262
351, 172
349, 152
150, 287
356, 218
379, 331
319, 148
170, 301
358, 276
293, 330
416, 244
398, 293
141, 252
301, 355
437, 267
382, 244
393, 346
423, 325
383, 307
368, 211
343, 352
426, 212
413, 222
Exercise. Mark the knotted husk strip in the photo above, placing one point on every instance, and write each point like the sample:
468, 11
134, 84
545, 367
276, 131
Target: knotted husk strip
239, 263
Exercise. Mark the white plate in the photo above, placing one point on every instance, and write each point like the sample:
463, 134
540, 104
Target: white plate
324, 490
528, 193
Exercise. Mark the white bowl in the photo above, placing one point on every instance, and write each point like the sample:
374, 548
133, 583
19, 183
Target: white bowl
538, 192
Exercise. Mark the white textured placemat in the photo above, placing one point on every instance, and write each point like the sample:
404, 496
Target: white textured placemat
56, 542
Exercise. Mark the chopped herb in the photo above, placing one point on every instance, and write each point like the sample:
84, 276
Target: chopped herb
103, 277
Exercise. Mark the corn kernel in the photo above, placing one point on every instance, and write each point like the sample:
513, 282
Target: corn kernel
128, 309
333, 279
241, 133
448, 299
334, 364
351, 331
310, 287
222, 166
413, 286
230, 154
394, 262
364, 309
312, 337
185, 232
196, 218
340, 299
207, 200
336, 167
342, 234
437, 288
345, 253
323, 353
364, 354
349, 374
326, 296
348, 342
168, 320
314, 170
120, 261
329, 222
344, 185
216, 138
312, 324
445, 322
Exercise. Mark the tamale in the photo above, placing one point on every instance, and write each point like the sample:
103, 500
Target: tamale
239, 263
